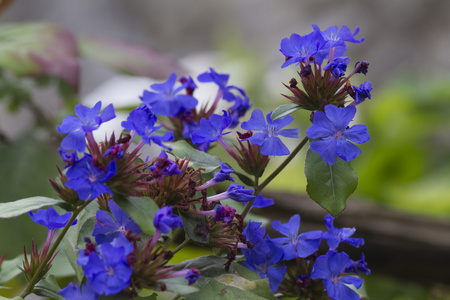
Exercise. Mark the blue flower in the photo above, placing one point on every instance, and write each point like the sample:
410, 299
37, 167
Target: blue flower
165, 100
224, 214
212, 129
236, 192
50, 218
296, 245
332, 137
261, 201
107, 228
238, 109
335, 38
338, 66
268, 139
86, 178
330, 267
164, 166
299, 48
192, 275
143, 121
337, 235
108, 268
86, 120
75, 292
68, 158
223, 174
164, 220
221, 80
357, 266
362, 92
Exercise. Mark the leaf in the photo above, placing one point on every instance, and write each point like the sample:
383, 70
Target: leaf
216, 283
284, 110
245, 179
22, 206
10, 269
39, 49
140, 209
198, 158
329, 186
196, 227
129, 58
48, 287
15, 298
179, 285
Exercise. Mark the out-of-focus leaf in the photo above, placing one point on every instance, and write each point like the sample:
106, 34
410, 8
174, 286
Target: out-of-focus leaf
129, 58
39, 49
329, 186
196, 227
216, 283
140, 209
23, 206
284, 110
48, 287
9, 269
198, 158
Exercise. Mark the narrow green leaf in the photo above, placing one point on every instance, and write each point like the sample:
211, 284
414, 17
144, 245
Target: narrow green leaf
198, 158
329, 186
196, 227
284, 110
22, 206
48, 287
10, 269
140, 209
245, 179
217, 283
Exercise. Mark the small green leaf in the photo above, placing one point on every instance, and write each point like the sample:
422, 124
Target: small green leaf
22, 206
48, 287
140, 209
284, 110
196, 227
198, 158
245, 179
329, 186
217, 283
10, 269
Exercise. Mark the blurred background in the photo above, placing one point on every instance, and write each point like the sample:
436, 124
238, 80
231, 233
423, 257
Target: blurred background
406, 166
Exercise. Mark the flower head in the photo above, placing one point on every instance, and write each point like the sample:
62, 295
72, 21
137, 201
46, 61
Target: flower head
212, 129
299, 48
338, 66
221, 80
165, 221
164, 166
50, 218
336, 235
357, 266
165, 100
87, 179
268, 139
82, 292
86, 120
332, 137
108, 228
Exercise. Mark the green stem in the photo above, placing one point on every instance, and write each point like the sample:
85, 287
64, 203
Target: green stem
186, 242
259, 188
36, 277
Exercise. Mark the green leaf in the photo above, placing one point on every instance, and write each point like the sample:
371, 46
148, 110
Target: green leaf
140, 209
48, 287
245, 179
179, 285
329, 186
22, 206
129, 58
284, 110
196, 227
216, 283
10, 269
198, 158
15, 298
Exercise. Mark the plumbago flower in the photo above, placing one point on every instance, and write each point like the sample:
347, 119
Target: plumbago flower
335, 235
331, 136
268, 139
362, 92
221, 80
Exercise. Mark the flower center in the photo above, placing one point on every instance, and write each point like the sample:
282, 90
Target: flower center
110, 271
338, 134
92, 177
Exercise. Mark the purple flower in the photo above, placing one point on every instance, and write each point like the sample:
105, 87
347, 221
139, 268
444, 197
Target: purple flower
223, 174
238, 109
261, 201
87, 179
357, 266
221, 80
362, 92
165, 221
295, 245
165, 100
335, 38
224, 214
332, 137
108, 268
268, 139
212, 129
50, 218
75, 292
338, 66
68, 158
86, 120
143, 121
236, 192
108, 228
330, 267
299, 48
335, 235
164, 166
192, 275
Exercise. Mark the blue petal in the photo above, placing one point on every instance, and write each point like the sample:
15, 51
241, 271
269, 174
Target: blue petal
256, 122
357, 134
326, 148
340, 116
290, 229
347, 151
321, 126
290, 133
257, 138
274, 146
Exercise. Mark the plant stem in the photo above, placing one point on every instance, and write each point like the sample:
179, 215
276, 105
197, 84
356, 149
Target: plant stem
36, 277
186, 242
